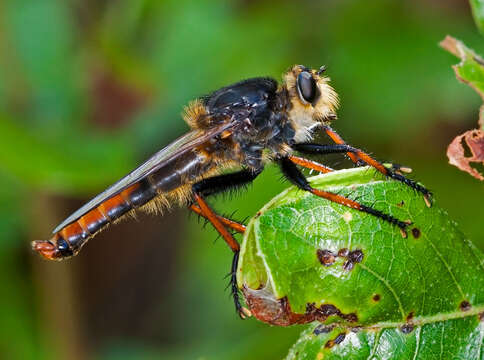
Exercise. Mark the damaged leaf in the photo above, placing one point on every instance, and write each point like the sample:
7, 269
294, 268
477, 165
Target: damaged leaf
470, 71
474, 140
365, 289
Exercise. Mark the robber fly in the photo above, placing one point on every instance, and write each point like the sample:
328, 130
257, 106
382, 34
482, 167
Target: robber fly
242, 126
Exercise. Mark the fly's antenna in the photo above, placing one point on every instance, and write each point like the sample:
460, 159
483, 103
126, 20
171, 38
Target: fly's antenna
321, 70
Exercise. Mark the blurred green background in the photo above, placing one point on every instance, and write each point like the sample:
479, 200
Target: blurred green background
88, 89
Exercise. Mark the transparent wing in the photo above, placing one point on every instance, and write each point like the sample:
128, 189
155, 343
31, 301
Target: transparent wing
175, 149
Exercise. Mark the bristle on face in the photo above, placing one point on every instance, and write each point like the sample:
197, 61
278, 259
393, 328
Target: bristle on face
304, 114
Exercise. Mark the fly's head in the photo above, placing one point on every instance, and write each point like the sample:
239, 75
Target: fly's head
312, 100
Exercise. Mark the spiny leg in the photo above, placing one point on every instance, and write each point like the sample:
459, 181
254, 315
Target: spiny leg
313, 165
320, 149
210, 215
309, 164
218, 184
339, 140
234, 225
215, 220
293, 174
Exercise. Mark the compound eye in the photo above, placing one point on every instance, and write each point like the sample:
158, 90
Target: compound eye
306, 87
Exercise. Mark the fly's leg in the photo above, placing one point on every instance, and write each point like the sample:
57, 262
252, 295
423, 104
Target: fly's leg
313, 165
344, 148
210, 215
292, 173
218, 184
234, 225
215, 220
339, 140
309, 164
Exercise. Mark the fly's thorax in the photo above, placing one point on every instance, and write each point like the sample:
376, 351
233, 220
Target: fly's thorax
311, 100
265, 140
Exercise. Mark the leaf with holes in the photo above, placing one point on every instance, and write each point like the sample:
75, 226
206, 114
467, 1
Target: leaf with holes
470, 71
369, 290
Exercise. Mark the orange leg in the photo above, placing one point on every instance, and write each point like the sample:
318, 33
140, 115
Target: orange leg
240, 228
208, 213
219, 224
339, 140
360, 157
309, 164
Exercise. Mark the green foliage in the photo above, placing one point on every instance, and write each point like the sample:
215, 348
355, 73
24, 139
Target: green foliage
471, 68
423, 282
440, 338
478, 13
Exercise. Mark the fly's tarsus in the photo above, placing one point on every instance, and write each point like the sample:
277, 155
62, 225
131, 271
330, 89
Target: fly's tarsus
242, 311
360, 156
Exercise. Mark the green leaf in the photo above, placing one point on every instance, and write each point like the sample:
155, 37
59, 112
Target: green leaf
439, 338
470, 70
403, 296
477, 7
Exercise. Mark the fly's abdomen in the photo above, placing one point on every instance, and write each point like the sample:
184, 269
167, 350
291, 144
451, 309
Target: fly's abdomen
69, 240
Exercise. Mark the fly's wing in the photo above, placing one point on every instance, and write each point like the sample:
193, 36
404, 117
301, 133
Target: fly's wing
180, 146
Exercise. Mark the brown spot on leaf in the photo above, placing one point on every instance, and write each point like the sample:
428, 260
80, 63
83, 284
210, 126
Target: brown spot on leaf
351, 317
376, 297
403, 232
337, 340
410, 316
264, 306
326, 257
401, 203
356, 329
343, 252
465, 305
327, 310
416, 233
407, 328
348, 265
355, 256
323, 329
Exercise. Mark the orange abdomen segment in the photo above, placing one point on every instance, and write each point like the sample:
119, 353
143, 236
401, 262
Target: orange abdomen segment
77, 233
93, 221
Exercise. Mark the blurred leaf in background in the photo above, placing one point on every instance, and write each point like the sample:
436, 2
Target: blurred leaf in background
477, 7
89, 89
469, 71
